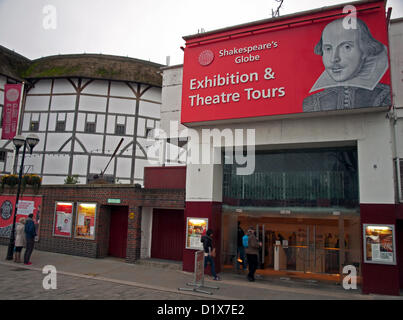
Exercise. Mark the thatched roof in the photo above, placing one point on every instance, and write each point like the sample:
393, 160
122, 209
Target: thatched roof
12, 64
96, 66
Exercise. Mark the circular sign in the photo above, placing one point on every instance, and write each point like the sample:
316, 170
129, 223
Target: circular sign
12, 95
6, 210
206, 57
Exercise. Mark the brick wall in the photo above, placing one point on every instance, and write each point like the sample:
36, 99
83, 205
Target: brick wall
129, 196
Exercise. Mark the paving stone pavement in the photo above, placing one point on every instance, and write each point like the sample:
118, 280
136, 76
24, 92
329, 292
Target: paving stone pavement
18, 283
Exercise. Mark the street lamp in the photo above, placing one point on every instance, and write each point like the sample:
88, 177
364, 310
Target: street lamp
19, 141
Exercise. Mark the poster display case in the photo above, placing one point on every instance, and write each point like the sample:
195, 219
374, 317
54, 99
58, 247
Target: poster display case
195, 229
85, 220
379, 244
63, 219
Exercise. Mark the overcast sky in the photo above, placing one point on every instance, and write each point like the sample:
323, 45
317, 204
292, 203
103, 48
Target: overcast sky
146, 29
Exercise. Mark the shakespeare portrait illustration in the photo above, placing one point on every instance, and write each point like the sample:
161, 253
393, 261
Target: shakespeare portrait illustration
354, 64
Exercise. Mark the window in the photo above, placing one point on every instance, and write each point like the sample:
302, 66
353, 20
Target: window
3, 155
34, 126
90, 127
120, 129
60, 126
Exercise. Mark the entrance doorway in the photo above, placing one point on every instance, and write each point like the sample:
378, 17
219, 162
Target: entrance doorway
302, 246
118, 231
168, 234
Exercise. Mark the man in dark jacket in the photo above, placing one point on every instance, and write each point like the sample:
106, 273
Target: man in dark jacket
207, 241
30, 234
252, 252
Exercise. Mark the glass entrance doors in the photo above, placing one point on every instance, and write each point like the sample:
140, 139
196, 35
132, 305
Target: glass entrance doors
297, 245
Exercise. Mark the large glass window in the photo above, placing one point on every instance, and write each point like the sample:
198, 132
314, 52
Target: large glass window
296, 178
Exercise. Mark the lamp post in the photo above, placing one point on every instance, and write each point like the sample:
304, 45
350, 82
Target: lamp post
20, 141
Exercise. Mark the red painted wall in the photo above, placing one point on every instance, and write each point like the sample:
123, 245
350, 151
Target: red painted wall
212, 211
378, 278
165, 177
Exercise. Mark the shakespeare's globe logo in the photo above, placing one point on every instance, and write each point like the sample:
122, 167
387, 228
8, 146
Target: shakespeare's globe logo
206, 57
12, 95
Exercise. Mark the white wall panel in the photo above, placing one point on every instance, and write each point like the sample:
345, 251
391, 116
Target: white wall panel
56, 164
52, 121
111, 142
124, 106
139, 168
96, 87
141, 127
53, 180
43, 121
153, 94
121, 89
110, 127
100, 126
34, 160
123, 168
149, 109
63, 102
41, 87
56, 140
130, 126
92, 142
91, 103
80, 122
63, 86
80, 164
3, 81
26, 121
70, 122
37, 103
98, 164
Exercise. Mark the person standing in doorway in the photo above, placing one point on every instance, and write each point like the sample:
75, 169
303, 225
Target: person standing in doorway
209, 252
252, 252
240, 248
30, 235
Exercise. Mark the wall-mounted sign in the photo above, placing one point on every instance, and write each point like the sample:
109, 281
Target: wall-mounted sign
379, 243
300, 64
131, 215
195, 229
63, 219
113, 200
85, 220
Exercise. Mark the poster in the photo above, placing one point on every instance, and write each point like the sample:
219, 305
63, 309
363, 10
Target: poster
86, 217
195, 229
379, 244
26, 206
63, 219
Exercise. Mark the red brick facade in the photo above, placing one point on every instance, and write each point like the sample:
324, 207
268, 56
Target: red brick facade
134, 199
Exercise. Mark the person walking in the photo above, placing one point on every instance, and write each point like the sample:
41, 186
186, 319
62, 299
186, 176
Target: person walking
209, 252
19, 239
240, 249
252, 252
30, 234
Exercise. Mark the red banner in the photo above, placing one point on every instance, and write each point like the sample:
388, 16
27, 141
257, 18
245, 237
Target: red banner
27, 205
12, 98
321, 61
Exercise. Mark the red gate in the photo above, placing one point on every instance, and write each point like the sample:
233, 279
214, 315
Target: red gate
118, 232
168, 234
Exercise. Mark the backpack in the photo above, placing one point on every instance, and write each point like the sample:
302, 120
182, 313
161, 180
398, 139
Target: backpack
245, 240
